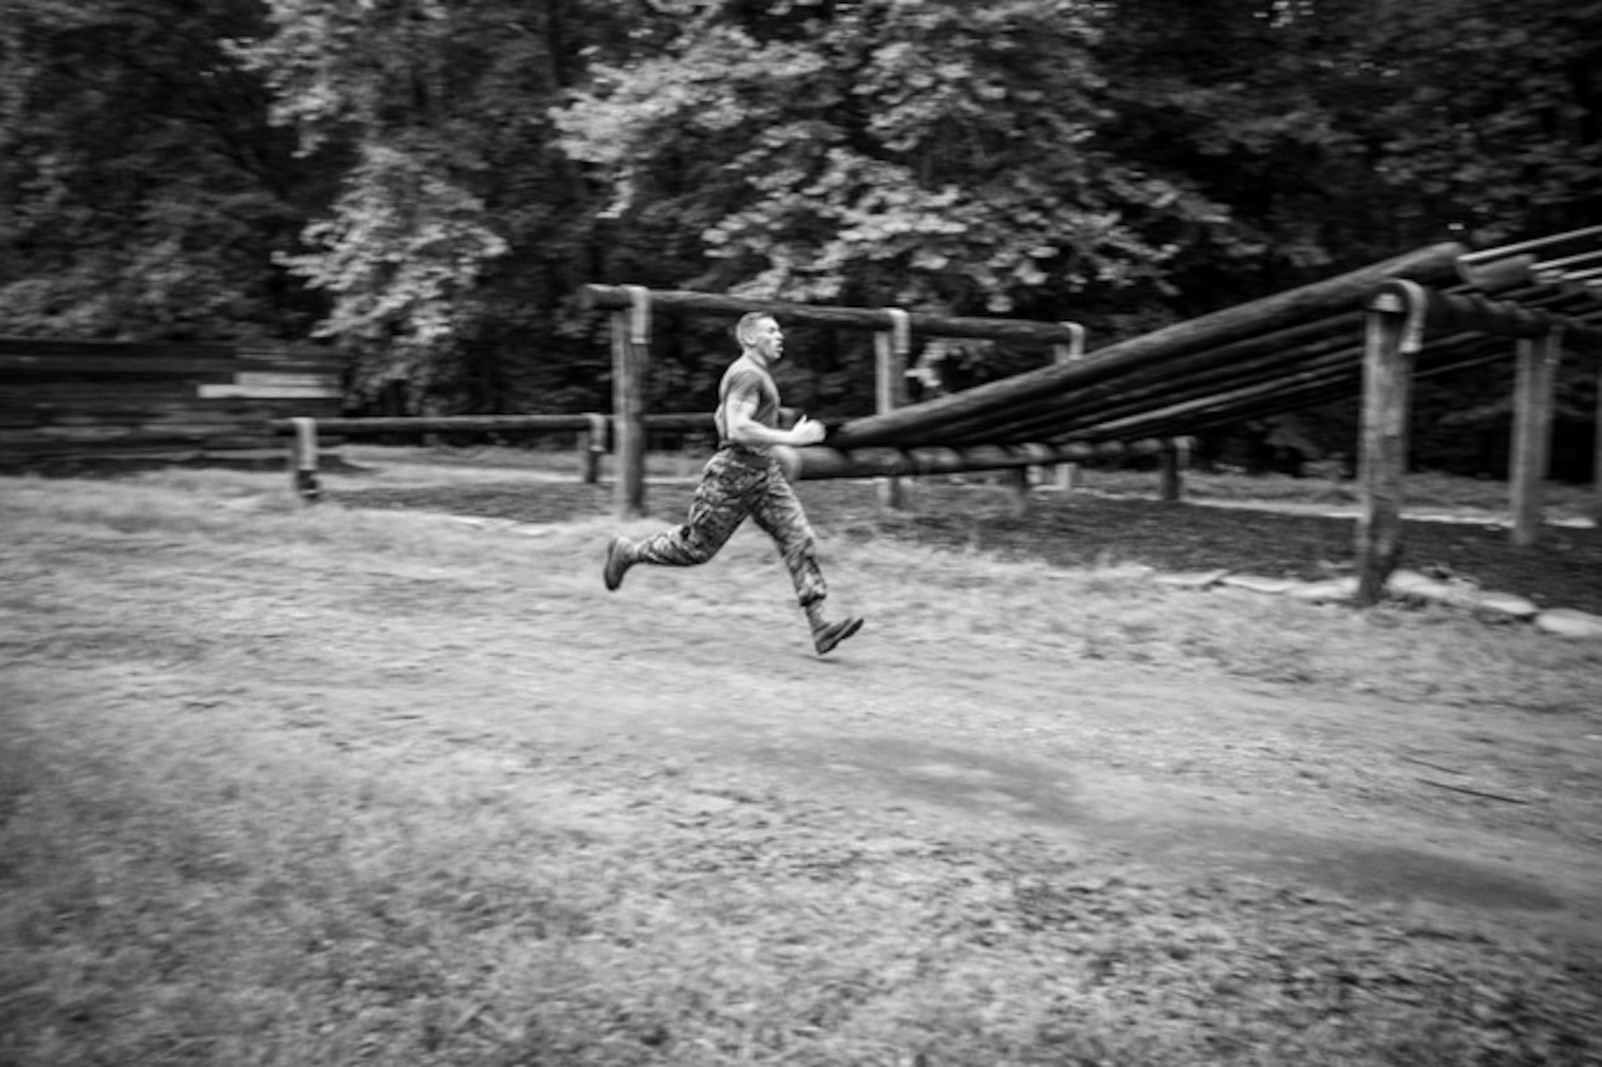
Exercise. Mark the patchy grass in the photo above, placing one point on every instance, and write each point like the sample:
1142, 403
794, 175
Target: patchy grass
271, 792
193, 888
1112, 523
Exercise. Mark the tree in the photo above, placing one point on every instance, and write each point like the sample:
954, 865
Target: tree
458, 229
938, 154
142, 192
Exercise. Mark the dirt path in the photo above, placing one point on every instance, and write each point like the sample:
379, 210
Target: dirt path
1483, 813
335, 786
1368, 800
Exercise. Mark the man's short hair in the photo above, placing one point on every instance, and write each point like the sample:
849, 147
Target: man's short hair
748, 324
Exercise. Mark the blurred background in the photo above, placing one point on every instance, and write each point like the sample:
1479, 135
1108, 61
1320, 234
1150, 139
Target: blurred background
424, 185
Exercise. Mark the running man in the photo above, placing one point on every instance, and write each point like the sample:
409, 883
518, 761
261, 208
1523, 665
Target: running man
743, 478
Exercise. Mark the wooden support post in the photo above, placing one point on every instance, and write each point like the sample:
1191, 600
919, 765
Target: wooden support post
1022, 498
890, 362
1171, 464
303, 460
592, 442
1532, 431
1068, 475
1393, 334
1596, 444
631, 339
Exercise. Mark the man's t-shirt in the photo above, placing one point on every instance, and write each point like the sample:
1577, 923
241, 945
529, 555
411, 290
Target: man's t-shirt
745, 380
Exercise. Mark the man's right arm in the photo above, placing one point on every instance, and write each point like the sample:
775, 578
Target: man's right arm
740, 416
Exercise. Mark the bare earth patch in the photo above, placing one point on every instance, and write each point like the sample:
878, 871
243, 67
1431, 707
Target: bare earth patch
357, 785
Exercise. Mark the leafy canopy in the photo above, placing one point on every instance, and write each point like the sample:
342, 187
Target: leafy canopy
933, 154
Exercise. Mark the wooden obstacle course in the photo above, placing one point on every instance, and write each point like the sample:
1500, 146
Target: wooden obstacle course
1368, 332
631, 309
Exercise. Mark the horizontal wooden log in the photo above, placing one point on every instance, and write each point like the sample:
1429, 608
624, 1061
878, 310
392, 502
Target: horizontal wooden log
999, 401
112, 439
1459, 312
818, 462
1497, 276
488, 424
261, 391
443, 424
1019, 331
110, 397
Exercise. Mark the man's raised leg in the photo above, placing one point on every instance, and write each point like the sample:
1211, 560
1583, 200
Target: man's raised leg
778, 511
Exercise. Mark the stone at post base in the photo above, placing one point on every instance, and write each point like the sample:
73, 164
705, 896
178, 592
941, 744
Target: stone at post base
1259, 583
1568, 622
1411, 585
1192, 579
1505, 606
1333, 591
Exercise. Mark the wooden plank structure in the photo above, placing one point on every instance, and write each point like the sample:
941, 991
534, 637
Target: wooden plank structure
595, 431
100, 399
1368, 333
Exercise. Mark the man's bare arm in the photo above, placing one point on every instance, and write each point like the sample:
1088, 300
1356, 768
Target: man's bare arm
740, 417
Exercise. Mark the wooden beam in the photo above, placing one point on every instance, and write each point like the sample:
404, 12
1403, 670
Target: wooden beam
890, 349
1596, 442
1068, 474
820, 461
593, 442
1461, 312
1382, 458
1018, 331
1532, 432
1171, 464
998, 402
441, 424
628, 410
303, 460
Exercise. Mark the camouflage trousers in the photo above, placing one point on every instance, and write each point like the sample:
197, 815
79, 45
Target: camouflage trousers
730, 491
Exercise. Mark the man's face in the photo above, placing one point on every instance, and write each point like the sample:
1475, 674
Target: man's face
768, 339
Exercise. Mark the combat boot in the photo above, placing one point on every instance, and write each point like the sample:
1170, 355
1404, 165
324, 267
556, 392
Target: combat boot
826, 635
619, 558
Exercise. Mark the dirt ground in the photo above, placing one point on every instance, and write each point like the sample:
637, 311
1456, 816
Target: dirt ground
1402, 803
682, 699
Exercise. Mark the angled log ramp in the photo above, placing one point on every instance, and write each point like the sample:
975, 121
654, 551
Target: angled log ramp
1252, 389
1266, 358
999, 404
1308, 390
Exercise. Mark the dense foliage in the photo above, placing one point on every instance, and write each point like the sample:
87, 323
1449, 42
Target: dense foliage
427, 183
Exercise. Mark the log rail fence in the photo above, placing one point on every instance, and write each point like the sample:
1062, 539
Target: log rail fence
594, 431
